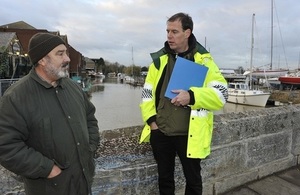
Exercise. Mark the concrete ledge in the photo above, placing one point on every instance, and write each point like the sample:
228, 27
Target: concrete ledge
245, 147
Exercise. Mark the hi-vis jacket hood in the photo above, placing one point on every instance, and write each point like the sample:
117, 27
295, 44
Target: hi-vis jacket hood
212, 96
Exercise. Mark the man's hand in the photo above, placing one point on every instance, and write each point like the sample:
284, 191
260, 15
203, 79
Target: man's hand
54, 172
182, 99
153, 126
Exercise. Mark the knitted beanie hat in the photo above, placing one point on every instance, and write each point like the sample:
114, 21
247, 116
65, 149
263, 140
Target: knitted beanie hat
41, 44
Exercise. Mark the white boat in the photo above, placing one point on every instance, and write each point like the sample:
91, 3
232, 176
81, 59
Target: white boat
273, 81
267, 73
128, 79
239, 93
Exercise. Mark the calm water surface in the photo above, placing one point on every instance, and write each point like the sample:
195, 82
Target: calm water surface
117, 106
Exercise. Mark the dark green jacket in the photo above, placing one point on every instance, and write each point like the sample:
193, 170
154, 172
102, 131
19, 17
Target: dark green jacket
41, 125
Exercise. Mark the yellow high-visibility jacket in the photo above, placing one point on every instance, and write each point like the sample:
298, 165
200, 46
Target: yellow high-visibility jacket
212, 96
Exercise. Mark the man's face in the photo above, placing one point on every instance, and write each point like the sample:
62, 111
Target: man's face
177, 37
57, 63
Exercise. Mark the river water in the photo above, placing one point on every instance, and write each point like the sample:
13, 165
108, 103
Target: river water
117, 106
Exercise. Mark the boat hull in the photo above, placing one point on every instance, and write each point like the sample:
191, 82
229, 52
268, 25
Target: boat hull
269, 73
249, 99
290, 80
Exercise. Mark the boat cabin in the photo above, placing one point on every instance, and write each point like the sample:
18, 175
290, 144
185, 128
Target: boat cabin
242, 86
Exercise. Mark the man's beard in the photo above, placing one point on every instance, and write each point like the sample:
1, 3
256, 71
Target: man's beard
61, 72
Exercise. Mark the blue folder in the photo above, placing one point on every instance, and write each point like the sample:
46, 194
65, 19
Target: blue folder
185, 74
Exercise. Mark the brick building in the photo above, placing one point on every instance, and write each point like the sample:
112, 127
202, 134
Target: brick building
14, 40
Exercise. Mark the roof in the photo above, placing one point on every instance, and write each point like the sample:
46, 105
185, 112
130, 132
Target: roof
90, 64
18, 25
23, 32
23, 35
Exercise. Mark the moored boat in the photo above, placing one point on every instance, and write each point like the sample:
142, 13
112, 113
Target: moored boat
292, 79
239, 93
268, 73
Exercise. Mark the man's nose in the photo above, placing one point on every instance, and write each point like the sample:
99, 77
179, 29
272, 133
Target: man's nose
67, 59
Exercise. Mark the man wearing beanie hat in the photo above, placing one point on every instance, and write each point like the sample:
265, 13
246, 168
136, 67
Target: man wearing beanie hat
48, 129
41, 44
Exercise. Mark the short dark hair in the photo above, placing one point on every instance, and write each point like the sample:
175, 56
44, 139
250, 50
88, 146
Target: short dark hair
185, 19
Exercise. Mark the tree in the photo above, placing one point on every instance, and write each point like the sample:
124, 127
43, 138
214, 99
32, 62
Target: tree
3, 63
144, 69
101, 65
133, 70
240, 70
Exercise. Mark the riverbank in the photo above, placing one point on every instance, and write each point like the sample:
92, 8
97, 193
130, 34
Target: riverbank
285, 96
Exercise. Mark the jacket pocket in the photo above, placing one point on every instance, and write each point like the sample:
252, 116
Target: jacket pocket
200, 133
61, 184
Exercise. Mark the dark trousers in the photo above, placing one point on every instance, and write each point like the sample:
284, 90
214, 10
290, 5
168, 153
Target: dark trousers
165, 149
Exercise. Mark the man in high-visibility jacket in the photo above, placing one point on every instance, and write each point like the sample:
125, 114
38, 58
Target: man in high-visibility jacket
182, 125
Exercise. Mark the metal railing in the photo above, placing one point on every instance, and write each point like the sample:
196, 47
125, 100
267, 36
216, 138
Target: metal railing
5, 84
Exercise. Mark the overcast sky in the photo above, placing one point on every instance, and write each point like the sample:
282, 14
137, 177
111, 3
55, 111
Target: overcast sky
126, 31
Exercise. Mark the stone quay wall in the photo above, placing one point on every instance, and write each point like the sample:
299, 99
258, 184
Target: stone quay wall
245, 147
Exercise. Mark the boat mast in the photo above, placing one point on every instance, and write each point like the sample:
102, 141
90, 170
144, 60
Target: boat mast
252, 46
271, 63
132, 61
299, 62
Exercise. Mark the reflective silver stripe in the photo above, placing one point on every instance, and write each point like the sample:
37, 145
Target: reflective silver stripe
199, 113
221, 90
147, 92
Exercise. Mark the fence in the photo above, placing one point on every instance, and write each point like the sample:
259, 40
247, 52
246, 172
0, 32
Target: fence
5, 84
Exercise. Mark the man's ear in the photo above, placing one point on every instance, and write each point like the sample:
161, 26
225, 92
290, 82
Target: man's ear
188, 33
42, 61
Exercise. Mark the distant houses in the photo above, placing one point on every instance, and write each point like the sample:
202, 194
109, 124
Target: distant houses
14, 60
